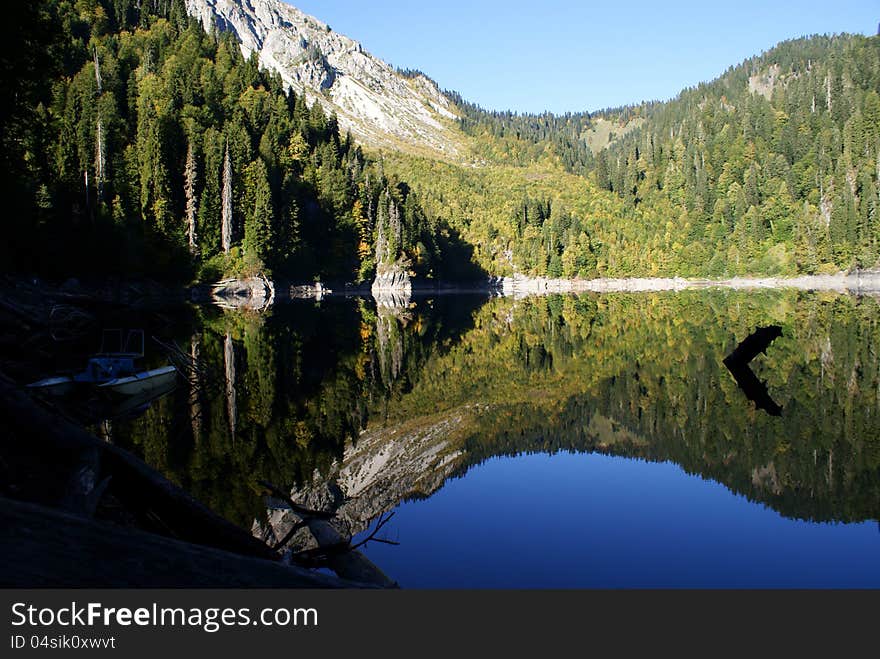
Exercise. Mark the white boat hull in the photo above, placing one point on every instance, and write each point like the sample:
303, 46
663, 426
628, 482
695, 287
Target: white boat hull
60, 386
140, 383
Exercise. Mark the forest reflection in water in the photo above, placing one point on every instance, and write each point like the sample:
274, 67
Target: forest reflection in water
360, 408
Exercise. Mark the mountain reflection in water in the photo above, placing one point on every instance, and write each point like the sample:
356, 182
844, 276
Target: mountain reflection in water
361, 409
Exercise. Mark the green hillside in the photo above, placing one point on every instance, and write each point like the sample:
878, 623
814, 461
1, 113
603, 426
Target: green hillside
770, 169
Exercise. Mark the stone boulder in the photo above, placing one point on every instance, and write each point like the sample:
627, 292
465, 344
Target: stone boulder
392, 286
252, 293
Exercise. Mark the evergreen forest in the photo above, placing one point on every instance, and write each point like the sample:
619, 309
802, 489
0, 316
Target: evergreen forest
135, 143
139, 144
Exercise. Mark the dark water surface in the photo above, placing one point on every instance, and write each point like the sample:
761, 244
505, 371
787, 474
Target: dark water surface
563, 441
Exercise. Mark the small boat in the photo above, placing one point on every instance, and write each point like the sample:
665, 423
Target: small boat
57, 386
140, 383
115, 407
112, 371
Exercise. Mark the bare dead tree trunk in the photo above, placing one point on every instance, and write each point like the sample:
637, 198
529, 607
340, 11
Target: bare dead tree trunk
100, 146
100, 159
105, 430
86, 186
195, 401
381, 237
828, 92
229, 363
226, 217
98, 73
189, 189
395, 229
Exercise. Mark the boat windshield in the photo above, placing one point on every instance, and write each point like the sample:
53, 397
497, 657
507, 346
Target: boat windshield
102, 369
119, 343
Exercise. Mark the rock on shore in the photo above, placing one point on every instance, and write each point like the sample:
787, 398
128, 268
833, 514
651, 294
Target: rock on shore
392, 286
251, 293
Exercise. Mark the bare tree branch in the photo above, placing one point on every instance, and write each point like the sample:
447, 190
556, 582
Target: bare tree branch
372, 537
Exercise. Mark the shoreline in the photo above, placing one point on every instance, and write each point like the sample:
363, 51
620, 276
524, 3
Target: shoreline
867, 282
258, 293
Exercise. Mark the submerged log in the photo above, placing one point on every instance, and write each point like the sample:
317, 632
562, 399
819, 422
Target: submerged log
348, 564
345, 561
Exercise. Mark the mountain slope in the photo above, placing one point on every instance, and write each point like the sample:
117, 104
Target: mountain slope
772, 168
139, 122
147, 146
379, 105
776, 163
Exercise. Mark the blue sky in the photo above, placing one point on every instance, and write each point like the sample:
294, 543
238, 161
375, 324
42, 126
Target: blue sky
565, 55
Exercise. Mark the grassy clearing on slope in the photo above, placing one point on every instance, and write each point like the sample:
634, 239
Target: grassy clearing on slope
604, 133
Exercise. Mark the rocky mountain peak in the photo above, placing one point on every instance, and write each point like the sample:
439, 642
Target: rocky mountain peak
379, 105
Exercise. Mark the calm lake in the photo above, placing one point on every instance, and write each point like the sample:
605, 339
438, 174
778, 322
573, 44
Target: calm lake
561, 441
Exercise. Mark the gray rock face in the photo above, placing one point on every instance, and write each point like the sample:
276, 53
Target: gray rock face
253, 293
392, 287
370, 98
394, 278
385, 467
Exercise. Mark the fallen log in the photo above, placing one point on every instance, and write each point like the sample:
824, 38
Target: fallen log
45, 547
157, 504
28, 315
